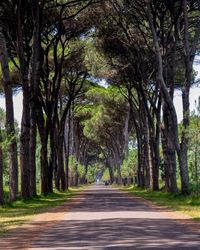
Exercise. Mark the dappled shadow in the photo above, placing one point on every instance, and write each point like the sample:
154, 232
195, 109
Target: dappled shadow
105, 218
21, 238
102, 199
106, 234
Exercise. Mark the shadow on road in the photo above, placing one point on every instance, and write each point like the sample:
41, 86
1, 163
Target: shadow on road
119, 234
105, 218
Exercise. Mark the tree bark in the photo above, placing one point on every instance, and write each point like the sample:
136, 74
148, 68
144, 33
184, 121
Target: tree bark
140, 172
43, 152
110, 170
189, 54
44, 167
171, 137
169, 153
25, 124
60, 179
53, 157
1, 171
32, 164
156, 149
24, 143
67, 148
126, 132
34, 79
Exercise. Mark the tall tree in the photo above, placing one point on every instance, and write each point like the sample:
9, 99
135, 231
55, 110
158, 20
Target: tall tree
1, 170
10, 128
191, 39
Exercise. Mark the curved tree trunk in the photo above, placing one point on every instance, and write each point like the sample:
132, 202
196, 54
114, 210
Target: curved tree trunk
190, 47
171, 140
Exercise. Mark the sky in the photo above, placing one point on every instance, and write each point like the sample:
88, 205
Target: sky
194, 94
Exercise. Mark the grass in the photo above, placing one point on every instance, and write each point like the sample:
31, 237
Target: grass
189, 205
17, 213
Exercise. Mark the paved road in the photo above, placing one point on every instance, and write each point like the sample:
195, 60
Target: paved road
109, 219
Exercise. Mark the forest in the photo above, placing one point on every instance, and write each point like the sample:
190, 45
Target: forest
98, 79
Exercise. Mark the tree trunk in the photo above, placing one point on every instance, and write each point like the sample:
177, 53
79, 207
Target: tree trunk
25, 124
34, 79
110, 171
60, 178
53, 158
140, 172
33, 135
76, 177
10, 129
67, 148
1, 170
126, 132
171, 139
156, 150
43, 152
24, 142
117, 161
183, 153
169, 152
44, 167
147, 163
189, 54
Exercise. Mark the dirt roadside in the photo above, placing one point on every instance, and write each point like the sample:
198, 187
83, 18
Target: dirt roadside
24, 236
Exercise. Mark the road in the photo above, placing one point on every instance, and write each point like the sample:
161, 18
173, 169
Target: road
106, 218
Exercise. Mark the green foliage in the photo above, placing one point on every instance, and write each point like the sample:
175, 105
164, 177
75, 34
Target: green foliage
193, 135
194, 150
107, 113
81, 170
76, 167
4, 145
129, 166
14, 76
73, 165
95, 61
91, 174
106, 175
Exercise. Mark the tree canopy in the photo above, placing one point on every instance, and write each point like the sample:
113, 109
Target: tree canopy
59, 53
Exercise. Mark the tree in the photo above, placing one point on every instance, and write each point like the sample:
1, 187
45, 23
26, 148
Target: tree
10, 128
107, 125
194, 148
29, 51
1, 165
131, 68
191, 37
